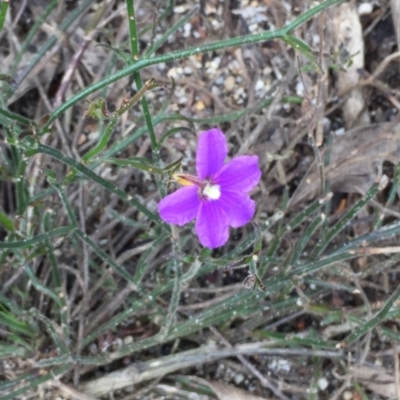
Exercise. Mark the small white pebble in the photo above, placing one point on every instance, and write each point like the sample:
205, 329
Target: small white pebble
182, 100
151, 95
326, 122
216, 24
210, 9
229, 83
239, 378
128, 339
280, 365
323, 383
187, 71
299, 88
378, 361
187, 28
172, 73
267, 70
215, 90
93, 348
339, 132
365, 8
180, 9
253, 27
259, 85
347, 395
299, 302
315, 40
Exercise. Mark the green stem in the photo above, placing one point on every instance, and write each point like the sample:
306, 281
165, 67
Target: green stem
61, 231
99, 180
3, 13
104, 139
37, 380
138, 80
176, 55
344, 220
171, 31
139, 85
16, 117
46, 225
376, 319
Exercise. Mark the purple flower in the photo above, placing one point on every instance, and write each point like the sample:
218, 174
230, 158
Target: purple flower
218, 197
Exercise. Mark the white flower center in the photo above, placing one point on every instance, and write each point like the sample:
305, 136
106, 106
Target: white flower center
212, 192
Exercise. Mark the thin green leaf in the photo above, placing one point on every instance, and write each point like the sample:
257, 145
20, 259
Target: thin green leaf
7, 78
15, 325
124, 56
379, 317
172, 131
134, 164
169, 32
303, 48
39, 285
62, 231
3, 13
346, 218
16, 117
6, 222
101, 181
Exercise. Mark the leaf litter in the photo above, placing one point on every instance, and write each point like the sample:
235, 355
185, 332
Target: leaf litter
208, 85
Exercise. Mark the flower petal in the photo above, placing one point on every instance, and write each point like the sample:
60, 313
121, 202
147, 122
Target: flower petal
239, 207
180, 207
212, 225
211, 153
241, 174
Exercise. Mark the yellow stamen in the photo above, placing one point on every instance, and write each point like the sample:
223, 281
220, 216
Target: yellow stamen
184, 180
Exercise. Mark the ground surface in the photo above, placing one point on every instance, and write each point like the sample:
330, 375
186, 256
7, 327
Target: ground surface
98, 299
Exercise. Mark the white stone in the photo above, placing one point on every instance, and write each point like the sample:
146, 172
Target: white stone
259, 85
187, 28
339, 132
239, 378
299, 88
180, 9
347, 395
323, 383
365, 8
229, 83
280, 365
